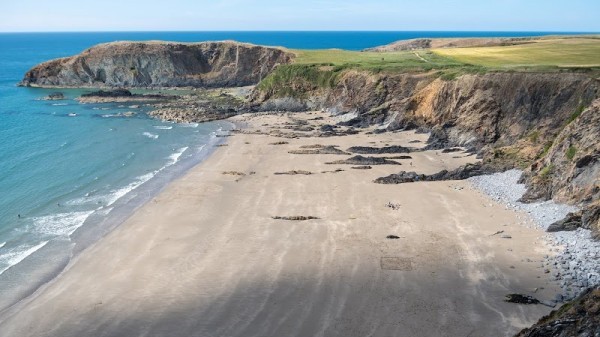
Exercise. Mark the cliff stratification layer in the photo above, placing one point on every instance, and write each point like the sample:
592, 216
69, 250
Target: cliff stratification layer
160, 64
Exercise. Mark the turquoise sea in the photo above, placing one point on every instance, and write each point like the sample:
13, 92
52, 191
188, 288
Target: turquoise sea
69, 173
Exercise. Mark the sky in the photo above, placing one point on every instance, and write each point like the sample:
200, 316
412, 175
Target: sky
258, 15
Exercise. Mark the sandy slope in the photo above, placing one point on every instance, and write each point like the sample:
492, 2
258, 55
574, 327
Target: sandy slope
205, 257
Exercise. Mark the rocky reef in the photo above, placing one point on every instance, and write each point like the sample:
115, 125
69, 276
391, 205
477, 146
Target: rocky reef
160, 64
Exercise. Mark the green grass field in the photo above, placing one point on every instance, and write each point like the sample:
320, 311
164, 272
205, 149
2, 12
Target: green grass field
545, 53
392, 61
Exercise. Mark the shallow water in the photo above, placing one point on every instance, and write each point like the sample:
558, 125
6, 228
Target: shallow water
62, 162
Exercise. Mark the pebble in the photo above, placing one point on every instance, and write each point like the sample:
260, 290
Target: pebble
574, 254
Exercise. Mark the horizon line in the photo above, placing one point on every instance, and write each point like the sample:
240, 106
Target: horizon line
301, 31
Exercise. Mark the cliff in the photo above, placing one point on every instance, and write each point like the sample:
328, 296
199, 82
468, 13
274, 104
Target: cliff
160, 64
509, 118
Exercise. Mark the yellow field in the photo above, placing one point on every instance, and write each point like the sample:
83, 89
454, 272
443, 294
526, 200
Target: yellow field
554, 52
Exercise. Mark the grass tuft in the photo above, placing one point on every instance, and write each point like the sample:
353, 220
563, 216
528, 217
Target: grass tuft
571, 151
575, 114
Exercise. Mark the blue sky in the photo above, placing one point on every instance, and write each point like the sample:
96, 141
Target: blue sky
199, 15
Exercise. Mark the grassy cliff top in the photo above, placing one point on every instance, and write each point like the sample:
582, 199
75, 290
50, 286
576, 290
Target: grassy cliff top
542, 54
556, 52
375, 61
315, 69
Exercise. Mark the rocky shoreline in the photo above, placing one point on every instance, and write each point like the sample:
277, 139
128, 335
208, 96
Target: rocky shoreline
574, 257
195, 106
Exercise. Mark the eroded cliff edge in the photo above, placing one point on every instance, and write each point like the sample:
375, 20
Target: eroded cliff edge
160, 64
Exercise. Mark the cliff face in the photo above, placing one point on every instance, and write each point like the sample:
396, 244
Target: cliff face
570, 170
160, 64
510, 117
475, 110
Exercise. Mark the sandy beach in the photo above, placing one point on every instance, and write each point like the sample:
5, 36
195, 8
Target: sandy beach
206, 257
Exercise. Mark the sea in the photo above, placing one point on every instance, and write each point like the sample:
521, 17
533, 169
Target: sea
70, 173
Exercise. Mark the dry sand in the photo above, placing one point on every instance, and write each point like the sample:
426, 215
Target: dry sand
206, 258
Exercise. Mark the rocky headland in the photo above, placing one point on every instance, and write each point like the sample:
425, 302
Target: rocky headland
160, 64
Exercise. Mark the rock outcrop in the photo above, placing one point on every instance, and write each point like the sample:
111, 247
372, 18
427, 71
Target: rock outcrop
578, 318
160, 64
570, 170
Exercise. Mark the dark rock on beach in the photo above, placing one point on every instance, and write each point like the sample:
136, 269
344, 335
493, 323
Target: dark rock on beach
360, 160
295, 218
570, 223
320, 150
588, 218
451, 149
521, 299
461, 173
379, 150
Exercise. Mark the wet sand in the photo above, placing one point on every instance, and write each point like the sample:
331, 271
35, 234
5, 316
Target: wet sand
207, 258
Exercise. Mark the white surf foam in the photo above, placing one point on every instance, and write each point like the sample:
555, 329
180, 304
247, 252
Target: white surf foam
189, 125
105, 200
2, 244
163, 127
59, 104
61, 224
18, 254
119, 193
174, 158
150, 135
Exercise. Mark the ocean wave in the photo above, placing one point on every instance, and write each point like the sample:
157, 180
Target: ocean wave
163, 127
121, 192
18, 254
61, 224
150, 135
174, 158
89, 199
59, 104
